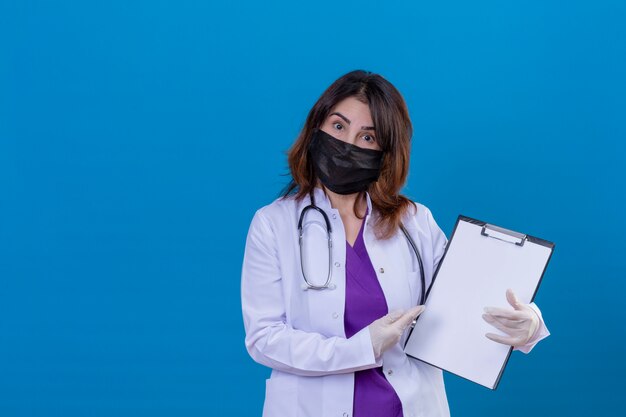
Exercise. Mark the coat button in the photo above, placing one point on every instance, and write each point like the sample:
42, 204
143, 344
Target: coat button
334, 216
390, 372
381, 270
335, 315
346, 415
337, 264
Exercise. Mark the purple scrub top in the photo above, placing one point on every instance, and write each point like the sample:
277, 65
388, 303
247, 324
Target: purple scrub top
365, 302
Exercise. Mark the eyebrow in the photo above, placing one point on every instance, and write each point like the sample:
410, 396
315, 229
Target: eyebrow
348, 121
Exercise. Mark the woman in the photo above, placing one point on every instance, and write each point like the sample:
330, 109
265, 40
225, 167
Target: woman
330, 319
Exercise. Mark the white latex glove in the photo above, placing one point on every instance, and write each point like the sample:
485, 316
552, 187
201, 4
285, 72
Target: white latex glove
520, 324
387, 330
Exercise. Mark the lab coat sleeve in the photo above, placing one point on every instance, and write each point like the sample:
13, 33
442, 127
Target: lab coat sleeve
270, 339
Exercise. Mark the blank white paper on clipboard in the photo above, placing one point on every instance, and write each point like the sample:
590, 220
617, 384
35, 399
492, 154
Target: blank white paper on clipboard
480, 263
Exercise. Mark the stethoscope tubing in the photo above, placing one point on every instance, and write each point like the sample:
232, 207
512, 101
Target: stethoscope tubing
327, 285
423, 292
329, 230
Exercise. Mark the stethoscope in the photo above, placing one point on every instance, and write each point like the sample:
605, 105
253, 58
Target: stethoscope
308, 285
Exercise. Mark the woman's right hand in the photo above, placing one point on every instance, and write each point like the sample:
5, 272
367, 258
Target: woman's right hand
387, 330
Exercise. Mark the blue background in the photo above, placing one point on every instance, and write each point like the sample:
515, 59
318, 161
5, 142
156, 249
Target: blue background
137, 138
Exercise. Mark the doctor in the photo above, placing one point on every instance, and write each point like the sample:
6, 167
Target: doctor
328, 312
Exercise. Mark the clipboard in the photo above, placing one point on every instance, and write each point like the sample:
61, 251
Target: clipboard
480, 263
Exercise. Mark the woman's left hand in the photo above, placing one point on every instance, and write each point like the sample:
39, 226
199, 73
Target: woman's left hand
520, 324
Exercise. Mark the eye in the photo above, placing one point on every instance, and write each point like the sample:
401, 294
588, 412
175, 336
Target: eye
369, 138
338, 126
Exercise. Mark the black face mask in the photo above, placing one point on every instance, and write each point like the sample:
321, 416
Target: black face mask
343, 168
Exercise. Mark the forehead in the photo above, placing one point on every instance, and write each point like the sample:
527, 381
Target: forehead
353, 109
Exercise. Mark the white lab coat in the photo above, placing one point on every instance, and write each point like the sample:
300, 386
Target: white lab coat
300, 334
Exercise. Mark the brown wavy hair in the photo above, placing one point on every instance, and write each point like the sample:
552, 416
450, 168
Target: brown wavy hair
393, 134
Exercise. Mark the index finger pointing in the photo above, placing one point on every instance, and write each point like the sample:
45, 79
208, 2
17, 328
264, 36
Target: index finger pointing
408, 317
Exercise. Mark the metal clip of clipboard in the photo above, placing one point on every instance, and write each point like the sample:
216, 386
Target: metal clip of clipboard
502, 234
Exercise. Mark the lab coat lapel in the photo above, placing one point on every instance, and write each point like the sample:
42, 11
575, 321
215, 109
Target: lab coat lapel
389, 262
